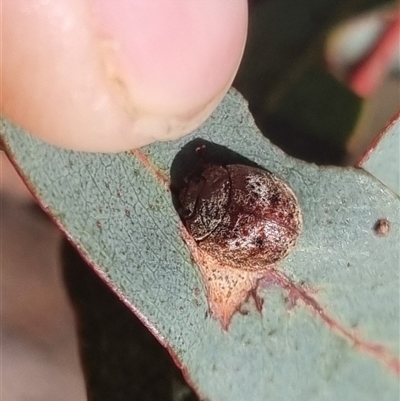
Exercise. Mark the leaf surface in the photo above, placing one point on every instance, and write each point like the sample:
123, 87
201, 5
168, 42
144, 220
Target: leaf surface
382, 160
329, 329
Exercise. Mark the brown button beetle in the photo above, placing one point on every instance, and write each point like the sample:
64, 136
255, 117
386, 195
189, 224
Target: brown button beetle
241, 216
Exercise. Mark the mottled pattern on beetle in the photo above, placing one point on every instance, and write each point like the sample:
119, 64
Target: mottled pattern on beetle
255, 218
206, 201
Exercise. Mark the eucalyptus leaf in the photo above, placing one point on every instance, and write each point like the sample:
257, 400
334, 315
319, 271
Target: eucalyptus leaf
339, 341
383, 159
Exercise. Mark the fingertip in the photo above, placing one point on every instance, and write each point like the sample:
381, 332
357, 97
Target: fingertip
111, 76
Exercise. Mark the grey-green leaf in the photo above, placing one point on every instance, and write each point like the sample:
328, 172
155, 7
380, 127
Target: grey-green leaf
339, 341
383, 159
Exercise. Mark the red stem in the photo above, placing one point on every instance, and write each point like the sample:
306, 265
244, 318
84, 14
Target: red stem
369, 72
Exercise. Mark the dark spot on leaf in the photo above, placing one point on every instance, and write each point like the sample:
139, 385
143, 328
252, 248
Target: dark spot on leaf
382, 227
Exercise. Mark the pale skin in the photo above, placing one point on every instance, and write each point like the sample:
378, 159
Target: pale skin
109, 76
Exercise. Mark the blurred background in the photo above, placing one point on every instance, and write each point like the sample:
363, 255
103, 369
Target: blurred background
294, 48
39, 357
